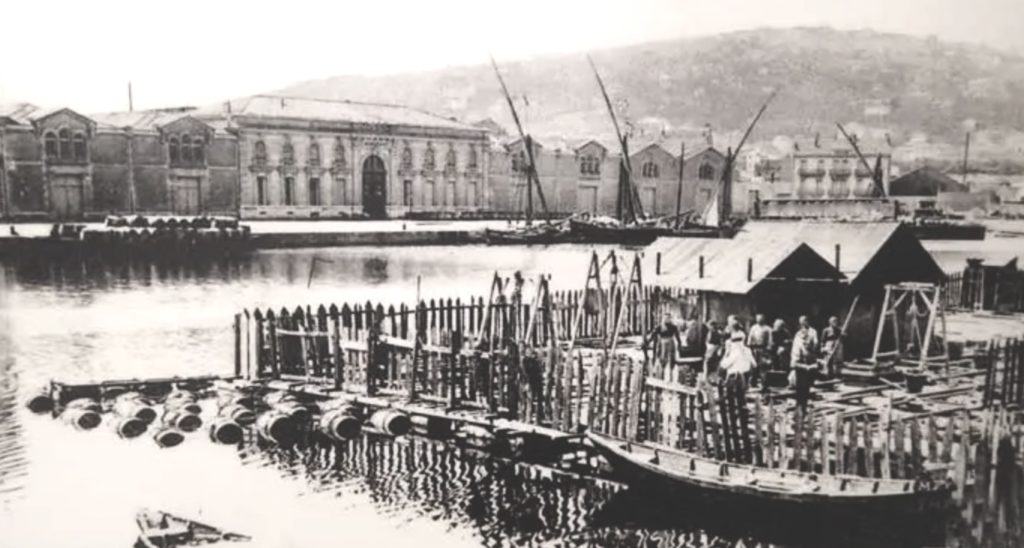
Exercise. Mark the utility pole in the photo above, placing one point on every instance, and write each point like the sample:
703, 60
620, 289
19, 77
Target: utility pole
131, 107
967, 148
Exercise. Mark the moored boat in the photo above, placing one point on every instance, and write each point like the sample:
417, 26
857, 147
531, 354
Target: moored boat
663, 469
526, 235
609, 231
162, 530
948, 230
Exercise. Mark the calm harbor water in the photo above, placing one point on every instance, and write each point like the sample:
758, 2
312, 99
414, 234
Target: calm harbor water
82, 322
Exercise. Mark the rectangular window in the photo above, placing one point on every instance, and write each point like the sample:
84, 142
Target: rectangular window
314, 191
407, 193
450, 195
428, 194
472, 198
261, 190
289, 190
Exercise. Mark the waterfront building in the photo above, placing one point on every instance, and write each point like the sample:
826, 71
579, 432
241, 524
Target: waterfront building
60, 164
582, 176
312, 158
275, 157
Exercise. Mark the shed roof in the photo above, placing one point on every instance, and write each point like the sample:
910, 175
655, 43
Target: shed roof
739, 266
924, 181
860, 243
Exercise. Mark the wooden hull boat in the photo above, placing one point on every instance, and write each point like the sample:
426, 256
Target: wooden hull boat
948, 231
589, 232
658, 469
162, 530
536, 235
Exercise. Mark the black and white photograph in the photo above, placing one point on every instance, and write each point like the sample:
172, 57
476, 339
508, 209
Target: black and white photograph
661, 273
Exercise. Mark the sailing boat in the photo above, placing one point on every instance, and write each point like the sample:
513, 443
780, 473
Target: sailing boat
716, 219
545, 232
630, 226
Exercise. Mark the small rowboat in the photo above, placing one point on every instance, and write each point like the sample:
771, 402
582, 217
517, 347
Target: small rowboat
162, 530
663, 469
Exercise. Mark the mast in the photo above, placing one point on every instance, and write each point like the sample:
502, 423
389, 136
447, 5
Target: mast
679, 189
967, 148
531, 168
632, 197
529, 187
876, 174
725, 206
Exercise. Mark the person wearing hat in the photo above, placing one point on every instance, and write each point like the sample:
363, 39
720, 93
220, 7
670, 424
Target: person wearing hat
759, 339
832, 347
668, 339
804, 361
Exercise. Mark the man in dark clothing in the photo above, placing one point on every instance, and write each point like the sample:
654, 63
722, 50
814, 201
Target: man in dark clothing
713, 348
668, 339
781, 339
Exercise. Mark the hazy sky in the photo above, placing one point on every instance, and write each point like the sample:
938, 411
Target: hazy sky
82, 53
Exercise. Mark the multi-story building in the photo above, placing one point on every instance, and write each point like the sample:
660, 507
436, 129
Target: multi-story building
303, 158
584, 176
273, 157
65, 165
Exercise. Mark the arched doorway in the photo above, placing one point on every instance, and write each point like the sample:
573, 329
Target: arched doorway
375, 180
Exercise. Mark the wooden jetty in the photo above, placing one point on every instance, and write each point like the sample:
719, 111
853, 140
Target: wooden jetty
529, 376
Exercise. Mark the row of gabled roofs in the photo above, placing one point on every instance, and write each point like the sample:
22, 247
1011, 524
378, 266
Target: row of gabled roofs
255, 107
760, 251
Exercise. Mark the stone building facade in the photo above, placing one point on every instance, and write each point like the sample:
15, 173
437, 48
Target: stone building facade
312, 158
64, 165
273, 157
583, 177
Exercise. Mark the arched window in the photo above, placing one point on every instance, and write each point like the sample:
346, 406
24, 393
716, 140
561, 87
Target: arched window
519, 162
314, 154
259, 154
429, 162
649, 170
471, 161
79, 146
287, 154
198, 152
186, 149
706, 172
406, 159
172, 146
450, 161
590, 165
65, 143
51, 146
339, 154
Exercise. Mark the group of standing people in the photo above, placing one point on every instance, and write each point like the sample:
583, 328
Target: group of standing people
734, 354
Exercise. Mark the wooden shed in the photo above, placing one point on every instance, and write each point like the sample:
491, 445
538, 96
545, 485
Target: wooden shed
868, 255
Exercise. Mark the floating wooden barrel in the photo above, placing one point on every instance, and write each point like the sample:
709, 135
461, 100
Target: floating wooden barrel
391, 422
184, 406
182, 400
132, 404
276, 427
182, 420
432, 427
226, 431
237, 413
168, 437
82, 418
226, 399
341, 424
130, 427
41, 402
298, 412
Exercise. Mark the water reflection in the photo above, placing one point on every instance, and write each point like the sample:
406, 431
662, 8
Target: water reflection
505, 503
81, 321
